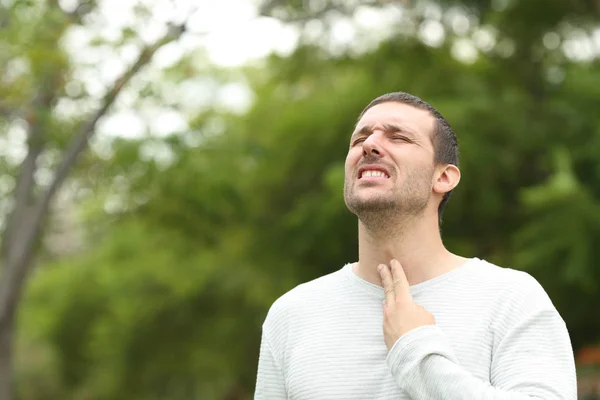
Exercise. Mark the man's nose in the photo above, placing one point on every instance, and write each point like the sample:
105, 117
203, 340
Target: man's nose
372, 145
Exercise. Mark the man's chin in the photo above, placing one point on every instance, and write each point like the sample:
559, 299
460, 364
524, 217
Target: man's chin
360, 205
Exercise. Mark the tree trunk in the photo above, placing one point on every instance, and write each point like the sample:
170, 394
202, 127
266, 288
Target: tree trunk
6, 348
25, 222
17, 263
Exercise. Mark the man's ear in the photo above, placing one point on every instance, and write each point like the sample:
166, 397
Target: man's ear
446, 179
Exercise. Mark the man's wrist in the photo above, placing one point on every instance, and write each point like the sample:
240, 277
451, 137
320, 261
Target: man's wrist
408, 351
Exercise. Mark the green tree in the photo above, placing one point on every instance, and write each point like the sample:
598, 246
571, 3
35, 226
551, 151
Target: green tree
38, 72
168, 299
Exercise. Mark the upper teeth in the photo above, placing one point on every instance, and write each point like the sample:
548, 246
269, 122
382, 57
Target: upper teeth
373, 174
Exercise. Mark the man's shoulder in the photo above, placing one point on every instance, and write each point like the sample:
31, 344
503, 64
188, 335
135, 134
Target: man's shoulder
517, 303
515, 287
305, 295
505, 275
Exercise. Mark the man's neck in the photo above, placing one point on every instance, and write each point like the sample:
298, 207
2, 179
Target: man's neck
417, 245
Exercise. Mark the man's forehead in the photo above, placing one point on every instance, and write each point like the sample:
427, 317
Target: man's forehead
398, 113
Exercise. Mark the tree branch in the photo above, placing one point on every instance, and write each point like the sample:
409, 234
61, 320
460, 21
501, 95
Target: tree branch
17, 261
23, 195
267, 8
88, 129
84, 7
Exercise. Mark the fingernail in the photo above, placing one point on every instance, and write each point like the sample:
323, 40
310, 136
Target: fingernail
380, 267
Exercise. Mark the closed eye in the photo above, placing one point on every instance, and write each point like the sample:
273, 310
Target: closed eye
403, 138
393, 137
357, 141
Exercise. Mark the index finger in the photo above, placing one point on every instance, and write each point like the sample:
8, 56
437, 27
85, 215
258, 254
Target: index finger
388, 284
401, 286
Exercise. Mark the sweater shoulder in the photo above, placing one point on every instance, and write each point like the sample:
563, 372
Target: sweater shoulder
513, 293
302, 297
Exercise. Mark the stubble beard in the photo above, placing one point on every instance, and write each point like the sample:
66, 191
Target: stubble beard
389, 213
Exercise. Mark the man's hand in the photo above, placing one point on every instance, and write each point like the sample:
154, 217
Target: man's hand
400, 313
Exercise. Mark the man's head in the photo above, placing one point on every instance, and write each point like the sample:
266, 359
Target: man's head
403, 160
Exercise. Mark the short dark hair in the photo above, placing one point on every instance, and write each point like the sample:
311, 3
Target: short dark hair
445, 142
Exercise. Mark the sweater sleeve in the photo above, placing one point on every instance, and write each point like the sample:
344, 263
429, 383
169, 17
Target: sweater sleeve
270, 382
532, 359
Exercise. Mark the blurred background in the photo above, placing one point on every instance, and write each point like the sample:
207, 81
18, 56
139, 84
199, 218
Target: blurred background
168, 168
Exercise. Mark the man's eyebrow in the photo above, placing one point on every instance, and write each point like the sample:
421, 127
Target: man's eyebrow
396, 128
364, 130
389, 128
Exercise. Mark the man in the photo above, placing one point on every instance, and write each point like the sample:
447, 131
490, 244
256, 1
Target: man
411, 320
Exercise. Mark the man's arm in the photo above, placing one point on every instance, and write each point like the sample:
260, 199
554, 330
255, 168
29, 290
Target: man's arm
532, 359
270, 383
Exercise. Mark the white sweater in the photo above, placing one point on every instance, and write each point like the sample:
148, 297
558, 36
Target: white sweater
497, 336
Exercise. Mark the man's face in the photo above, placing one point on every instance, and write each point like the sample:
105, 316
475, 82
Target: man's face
390, 163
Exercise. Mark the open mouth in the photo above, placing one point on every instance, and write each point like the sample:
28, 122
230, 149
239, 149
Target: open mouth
372, 173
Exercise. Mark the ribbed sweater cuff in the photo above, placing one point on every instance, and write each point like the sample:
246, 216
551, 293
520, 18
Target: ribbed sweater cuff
408, 351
